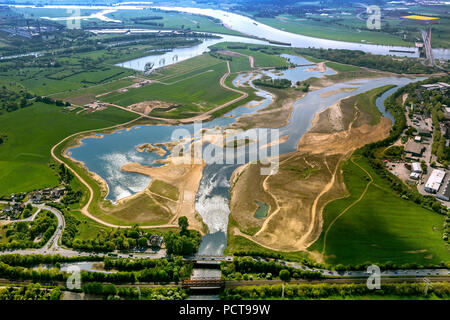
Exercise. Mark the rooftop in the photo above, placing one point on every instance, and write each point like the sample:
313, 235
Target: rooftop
413, 147
435, 180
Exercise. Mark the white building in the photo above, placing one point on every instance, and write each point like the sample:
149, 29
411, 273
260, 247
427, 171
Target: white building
414, 175
434, 181
445, 193
416, 167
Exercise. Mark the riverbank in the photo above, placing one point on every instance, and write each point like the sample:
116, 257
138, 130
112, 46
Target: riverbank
295, 209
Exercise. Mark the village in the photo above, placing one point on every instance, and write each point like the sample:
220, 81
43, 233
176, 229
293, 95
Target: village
413, 159
19, 205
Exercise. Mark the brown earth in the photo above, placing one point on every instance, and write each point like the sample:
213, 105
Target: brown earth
186, 177
148, 147
314, 179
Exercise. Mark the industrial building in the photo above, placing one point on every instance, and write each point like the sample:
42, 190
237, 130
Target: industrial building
414, 149
414, 175
445, 192
434, 181
416, 167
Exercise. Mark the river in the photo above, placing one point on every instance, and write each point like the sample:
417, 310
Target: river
106, 154
249, 27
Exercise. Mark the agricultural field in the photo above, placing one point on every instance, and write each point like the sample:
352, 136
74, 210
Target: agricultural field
373, 224
351, 26
139, 19
344, 28
86, 95
197, 90
31, 133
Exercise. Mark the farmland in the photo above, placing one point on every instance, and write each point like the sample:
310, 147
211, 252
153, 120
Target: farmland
31, 132
395, 229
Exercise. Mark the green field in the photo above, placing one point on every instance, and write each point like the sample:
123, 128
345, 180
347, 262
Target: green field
31, 133
339, 67
381, 227
347, 29
195, 91
265, 56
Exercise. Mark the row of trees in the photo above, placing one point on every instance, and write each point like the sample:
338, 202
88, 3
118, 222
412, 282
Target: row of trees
323, 291
186, 242
273, 83
368, 60
242, 267
30, 292
55, 276
394, 104
48, 100
110, 291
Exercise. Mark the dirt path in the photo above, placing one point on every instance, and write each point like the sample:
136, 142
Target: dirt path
202, 116
267, 189
85, 209
314, 210
349, 207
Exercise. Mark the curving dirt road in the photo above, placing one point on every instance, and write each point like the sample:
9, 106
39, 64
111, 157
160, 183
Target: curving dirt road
85, 209
349, 207
203, 116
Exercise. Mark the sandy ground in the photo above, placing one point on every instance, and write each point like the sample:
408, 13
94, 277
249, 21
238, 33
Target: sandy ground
295, 221
148, 147
146, 107
331, 93
186, 177
320, 67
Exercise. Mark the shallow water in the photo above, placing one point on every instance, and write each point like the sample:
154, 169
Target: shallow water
105, 156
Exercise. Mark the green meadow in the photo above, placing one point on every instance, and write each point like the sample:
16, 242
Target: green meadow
195, 88
381, 227
32, 132
348, 29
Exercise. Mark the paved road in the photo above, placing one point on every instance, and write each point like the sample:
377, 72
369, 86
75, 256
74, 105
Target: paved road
55, 240
53, 247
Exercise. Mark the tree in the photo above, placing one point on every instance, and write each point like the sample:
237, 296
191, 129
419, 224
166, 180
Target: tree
285, 275
184, 224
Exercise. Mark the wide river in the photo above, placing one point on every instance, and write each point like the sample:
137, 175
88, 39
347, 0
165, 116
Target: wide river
246, 26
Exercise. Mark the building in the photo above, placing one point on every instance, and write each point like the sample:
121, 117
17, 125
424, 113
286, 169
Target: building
7, 209
434, 181
414, 175
445, 193
447, 112
435, 86
414, 149
418, 139
155, 242
424, 132
416, 167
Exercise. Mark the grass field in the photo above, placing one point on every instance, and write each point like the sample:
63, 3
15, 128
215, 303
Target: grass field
44, 81
196, 90
88, 94
271, 59
381, 227
326, 28
172, 20
31, 133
